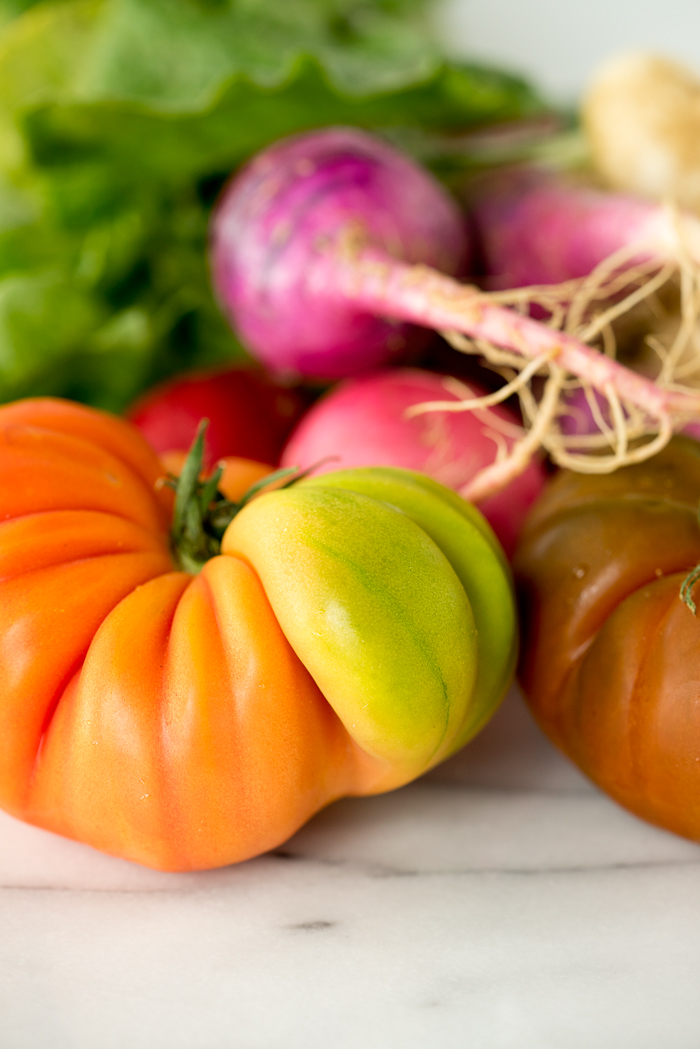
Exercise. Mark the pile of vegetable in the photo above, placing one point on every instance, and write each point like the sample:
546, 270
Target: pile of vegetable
599, 338
186, 185
297, 638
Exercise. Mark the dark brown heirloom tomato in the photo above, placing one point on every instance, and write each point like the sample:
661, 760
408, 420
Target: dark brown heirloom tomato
611, 654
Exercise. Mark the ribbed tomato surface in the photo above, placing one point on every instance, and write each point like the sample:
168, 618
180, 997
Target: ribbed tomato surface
611, 654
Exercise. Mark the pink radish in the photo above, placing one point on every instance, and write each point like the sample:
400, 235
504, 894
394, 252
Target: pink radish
362, 422
535, 227
320, 244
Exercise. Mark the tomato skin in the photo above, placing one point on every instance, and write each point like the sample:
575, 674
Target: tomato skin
250, 415
610, 654
478, 560
349, 607
186, 721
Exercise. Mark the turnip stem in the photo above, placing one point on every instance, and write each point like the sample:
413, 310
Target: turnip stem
381, 285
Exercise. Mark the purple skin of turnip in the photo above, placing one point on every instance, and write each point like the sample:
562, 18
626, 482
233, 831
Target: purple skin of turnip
278, 223
315, 259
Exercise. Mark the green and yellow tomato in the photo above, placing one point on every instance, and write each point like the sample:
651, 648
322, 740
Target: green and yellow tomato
394, 593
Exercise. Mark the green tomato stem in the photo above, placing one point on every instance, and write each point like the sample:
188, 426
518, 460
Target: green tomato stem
202, 513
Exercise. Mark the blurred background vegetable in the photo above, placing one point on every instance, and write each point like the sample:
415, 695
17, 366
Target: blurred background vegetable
248, 414
641, 114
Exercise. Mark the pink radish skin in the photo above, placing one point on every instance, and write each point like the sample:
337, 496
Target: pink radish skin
270, 247
309, 266
362, 422
534, 227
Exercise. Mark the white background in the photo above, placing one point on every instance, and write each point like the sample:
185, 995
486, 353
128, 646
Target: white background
557, 43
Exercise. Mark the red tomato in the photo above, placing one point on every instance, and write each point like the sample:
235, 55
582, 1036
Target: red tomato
249, 414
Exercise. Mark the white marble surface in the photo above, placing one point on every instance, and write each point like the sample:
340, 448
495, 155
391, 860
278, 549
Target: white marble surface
500, 903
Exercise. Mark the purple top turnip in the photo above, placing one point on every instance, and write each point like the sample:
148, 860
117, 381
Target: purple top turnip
281, 218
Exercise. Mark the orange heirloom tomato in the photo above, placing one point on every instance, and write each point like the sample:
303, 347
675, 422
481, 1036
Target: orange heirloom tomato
176, 719
611, 654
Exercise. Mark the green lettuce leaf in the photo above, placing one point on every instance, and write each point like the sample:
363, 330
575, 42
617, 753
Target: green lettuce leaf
177, 55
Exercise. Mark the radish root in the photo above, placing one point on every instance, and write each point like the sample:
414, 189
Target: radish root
587, 309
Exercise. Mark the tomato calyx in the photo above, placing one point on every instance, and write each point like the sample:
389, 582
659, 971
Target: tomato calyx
687, 585
686, 593
202, 513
